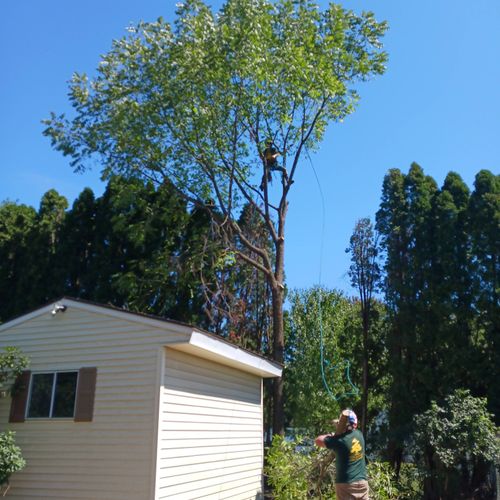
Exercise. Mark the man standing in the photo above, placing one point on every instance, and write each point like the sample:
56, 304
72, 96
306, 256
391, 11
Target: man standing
349, 447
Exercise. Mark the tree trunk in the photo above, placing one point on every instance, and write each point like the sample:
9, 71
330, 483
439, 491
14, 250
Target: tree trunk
278, 332
278, 355
364, 399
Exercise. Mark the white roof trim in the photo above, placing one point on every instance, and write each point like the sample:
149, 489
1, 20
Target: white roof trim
209, 347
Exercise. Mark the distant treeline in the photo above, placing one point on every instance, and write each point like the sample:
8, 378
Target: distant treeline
441, 286
137, 246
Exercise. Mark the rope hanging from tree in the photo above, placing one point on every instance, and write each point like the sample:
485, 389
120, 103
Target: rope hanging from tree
327, 368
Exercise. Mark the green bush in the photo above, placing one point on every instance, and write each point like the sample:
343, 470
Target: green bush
382, 481
410, 482
11, 459
12, 363
288, 471
456, 442
385, 486
298, 475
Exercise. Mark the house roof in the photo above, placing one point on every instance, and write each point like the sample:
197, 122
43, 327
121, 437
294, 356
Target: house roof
197, 341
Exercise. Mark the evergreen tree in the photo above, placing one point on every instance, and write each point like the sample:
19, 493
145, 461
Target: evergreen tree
365, 275
16, 224
441, 286
44, 276
404, 222
484, 229
79, 247
450, 284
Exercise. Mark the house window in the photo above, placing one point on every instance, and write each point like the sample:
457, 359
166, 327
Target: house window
52, 395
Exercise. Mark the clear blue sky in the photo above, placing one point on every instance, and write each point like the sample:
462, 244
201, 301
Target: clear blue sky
438, 104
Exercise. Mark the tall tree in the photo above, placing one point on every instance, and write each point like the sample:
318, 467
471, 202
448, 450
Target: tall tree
391, 224
449, 285
45, 275
484, 230
16, 223
365, 276
211, 101
79, 247
403, 223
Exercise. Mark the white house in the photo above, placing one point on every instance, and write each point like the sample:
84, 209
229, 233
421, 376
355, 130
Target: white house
123, 406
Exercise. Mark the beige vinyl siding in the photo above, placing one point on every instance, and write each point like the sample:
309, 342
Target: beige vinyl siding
112, 457
210, 431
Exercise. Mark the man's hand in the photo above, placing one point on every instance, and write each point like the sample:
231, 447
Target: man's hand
320, 440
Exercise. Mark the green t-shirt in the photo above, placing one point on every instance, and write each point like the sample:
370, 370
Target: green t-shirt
350, 460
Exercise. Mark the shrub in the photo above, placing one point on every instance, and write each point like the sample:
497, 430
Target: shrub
384, 485
456, 443
382, 481
288, 471
11, 459
12, 363
410, 482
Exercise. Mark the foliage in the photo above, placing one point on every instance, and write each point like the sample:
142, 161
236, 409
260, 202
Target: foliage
11, 459
440, 290
364, 270
382, 481
287, 471
308, 403
456, 440
192, 101
299, 475
410, 482
136, 246
386, 485
16, 222
12, 363
483, 226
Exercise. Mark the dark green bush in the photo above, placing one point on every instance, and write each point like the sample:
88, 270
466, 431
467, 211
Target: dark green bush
456, 443
11, 459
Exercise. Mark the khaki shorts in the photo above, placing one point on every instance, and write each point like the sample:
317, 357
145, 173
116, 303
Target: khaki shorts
352, 491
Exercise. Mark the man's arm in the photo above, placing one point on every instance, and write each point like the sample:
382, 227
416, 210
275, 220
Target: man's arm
320, 440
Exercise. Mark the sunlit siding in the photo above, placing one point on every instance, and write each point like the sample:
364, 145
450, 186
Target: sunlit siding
210, 431
112, 457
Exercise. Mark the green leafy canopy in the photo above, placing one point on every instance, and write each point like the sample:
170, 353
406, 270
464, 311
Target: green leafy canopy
196, 100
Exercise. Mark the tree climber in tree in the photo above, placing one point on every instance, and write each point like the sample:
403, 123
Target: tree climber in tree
270, 160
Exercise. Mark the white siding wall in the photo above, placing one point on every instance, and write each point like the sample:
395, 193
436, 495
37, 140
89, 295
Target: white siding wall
210, 431
111, 458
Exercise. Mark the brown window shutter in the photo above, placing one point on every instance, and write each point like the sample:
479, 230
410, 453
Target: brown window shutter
19, 399
84, 407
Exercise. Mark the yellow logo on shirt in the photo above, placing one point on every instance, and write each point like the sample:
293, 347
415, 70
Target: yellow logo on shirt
356, 451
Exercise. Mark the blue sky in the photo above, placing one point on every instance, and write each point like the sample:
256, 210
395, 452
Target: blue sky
438, 104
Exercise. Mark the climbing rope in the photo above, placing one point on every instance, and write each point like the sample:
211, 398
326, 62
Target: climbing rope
326, 367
